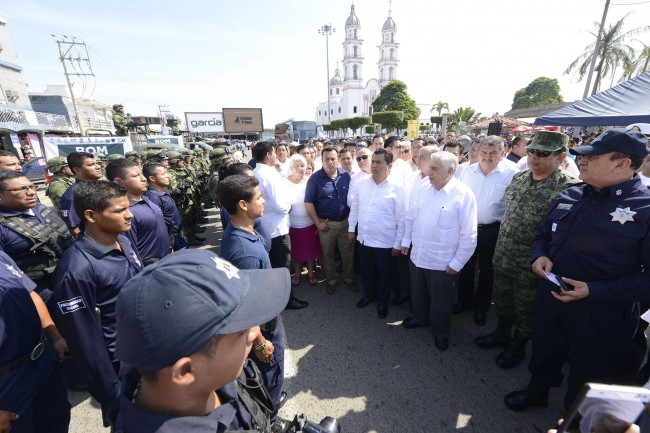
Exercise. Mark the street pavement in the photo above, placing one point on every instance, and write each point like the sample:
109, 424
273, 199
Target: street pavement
375, 376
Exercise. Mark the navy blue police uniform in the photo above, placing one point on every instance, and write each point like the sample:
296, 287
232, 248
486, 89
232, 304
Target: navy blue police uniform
246, 251
172, 216
68, 214
601, 238
31, 384
148, 232
89, 277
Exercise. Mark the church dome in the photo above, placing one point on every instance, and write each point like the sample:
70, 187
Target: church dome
352, 19
336, 80
389, 24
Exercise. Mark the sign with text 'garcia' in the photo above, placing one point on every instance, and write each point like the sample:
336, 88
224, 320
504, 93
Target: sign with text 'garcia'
204, 122
242, 120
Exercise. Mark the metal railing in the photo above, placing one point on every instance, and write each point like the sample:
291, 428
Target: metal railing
27, 117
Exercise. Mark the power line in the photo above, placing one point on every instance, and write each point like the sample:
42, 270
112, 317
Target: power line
630, 4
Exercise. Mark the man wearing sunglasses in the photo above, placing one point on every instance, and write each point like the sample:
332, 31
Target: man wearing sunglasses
528, 199
595, 241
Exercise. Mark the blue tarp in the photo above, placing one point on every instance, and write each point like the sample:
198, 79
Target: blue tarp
622, 105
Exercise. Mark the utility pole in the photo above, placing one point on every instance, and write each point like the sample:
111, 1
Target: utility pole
327, 30
63, 56
594, 57
164, 114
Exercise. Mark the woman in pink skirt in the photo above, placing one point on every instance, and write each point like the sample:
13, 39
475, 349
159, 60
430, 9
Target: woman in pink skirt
305, 245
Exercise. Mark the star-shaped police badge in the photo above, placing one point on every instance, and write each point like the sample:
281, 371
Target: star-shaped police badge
619, 191
622, 215
229, 269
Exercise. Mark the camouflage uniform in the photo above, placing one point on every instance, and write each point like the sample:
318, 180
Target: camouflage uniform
526, 203
183, 194
59, 183
120, 121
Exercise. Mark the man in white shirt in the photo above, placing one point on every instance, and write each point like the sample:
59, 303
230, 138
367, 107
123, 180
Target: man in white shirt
364, 158
377, 142
346, 158
441, 225
276, 209
488, 180
401, 169
378, 208
282, 163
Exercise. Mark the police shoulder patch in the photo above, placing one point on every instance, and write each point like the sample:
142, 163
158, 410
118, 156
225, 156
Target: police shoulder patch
71, 305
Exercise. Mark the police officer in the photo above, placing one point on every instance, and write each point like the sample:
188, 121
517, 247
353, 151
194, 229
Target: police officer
87, 281
527, 200
85, 169
596, 242
61, 181
33, 397
173, 357
120, 121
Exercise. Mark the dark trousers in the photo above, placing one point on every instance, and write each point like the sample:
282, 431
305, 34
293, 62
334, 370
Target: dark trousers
597, 336
376, 269
485, 244
432, 298
280, 253
273, 371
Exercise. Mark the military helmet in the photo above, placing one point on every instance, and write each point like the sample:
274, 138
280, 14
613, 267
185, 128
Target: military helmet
117, 107
114, 156
218, 153
99, 156
173, 156
132, 155
56, 164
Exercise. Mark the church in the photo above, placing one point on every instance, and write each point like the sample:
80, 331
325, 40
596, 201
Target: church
349, 97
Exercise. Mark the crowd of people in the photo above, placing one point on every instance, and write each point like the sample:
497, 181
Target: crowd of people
104, 281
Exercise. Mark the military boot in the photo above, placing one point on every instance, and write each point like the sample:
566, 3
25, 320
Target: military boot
499, 338
514, 353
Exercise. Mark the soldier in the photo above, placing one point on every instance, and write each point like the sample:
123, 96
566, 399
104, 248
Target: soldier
63, 178
175, 129
183, 194
134, 156
120, 121
528, 199
114, 156
218, 158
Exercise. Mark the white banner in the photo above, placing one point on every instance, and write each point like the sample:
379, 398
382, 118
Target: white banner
63, 146
204, 122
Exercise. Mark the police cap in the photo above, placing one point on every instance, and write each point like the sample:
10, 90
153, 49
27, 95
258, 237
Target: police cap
615, 140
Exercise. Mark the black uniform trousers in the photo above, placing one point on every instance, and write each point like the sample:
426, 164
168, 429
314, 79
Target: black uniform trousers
597, 337
376, 269
486, 243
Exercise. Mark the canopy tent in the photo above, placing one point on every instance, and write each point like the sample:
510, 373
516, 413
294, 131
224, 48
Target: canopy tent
623, 104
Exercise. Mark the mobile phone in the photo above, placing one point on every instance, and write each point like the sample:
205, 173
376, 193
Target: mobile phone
564, 285
626, 395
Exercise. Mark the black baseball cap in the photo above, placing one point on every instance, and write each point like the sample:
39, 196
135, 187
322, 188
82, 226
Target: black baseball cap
615, 140
175, 306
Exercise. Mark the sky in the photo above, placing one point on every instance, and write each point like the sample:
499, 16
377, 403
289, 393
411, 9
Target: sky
201, 55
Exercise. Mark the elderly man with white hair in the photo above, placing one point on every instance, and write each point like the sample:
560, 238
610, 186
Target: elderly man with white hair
441, 225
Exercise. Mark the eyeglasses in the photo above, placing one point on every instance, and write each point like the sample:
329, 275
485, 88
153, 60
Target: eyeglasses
23, 189
405, 150
539, 153
364, 157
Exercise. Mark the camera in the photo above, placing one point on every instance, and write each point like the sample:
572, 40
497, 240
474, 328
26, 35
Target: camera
327, 425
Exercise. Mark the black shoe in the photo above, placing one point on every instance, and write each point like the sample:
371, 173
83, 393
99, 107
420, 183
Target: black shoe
199, 238
411, 323
296, 304
480, 319
492, 340
399, 300
363, 302
199, 229
194, 243
510, 357
459, 308
520, 400
283, 399
382, 311
280, 426
442, 343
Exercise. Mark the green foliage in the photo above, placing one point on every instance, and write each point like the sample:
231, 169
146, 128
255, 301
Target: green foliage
359, 122
613, 51
370, 129
436, 120
439, 106
540, 91
460, 117
340, 124
389, 119
393, 97
327, 127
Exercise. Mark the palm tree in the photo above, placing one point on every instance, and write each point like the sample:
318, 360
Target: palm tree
439, 106
462, 116
639, 65
612, 52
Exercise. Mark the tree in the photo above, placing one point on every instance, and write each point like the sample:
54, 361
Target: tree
612, 52
358, 122
461, 116
393, 97
370, 129
540, 91
439, 106
340, 125
389, 119
638, 66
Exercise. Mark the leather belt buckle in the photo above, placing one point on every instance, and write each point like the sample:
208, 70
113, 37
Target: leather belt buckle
37, 351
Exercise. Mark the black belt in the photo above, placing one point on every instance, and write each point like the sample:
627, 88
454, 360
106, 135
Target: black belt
150, 261
342, 218
32, 356
489, 226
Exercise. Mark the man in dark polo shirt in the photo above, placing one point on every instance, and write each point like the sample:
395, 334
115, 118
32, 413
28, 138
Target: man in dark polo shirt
326, 204
85, 168
148, 230
88, 279
158, 194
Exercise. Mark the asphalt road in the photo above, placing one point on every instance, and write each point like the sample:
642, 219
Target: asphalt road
375, 376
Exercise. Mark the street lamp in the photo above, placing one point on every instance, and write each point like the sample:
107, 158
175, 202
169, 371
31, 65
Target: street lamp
327, 30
